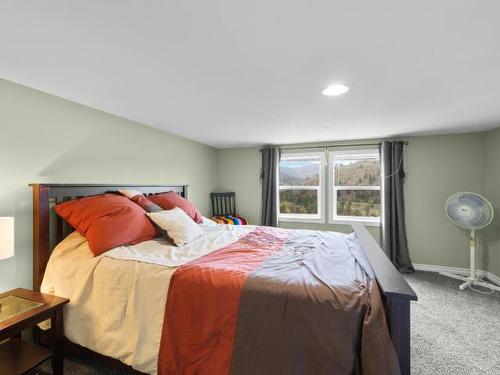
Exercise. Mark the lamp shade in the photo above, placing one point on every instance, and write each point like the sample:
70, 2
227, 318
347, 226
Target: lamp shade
6, 237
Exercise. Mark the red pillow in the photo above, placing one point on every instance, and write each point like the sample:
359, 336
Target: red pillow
145, 203
107, 221
170, 200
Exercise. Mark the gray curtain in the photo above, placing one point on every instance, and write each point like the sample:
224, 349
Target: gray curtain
393, 228
269, 179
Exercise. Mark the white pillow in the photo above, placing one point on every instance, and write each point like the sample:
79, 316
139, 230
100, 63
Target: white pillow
179, 226
207, 221
129, 193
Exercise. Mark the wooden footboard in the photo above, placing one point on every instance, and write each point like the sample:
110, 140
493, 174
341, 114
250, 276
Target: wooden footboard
396, 294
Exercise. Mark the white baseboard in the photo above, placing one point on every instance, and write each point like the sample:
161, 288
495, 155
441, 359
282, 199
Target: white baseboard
456, 270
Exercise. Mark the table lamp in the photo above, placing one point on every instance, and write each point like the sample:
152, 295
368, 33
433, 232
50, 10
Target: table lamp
6, 237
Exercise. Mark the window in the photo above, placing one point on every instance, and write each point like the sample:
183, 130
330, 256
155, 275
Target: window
301, 186
355, 186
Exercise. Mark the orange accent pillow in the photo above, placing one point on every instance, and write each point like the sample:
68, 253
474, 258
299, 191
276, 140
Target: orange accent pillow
107, 221
170, 200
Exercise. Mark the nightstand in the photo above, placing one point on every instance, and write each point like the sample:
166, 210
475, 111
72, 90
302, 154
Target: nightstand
21, 309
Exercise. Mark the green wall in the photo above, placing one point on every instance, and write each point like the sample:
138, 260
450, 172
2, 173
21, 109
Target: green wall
437, 166
239, 170
49, 139
492, 253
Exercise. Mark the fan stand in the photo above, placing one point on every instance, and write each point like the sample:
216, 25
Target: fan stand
473, 278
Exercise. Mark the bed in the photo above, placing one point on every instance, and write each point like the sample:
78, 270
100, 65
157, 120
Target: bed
390, 300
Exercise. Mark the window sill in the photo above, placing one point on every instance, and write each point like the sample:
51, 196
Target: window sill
306, 220
368, 223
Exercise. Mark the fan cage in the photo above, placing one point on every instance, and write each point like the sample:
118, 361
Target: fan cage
483, 214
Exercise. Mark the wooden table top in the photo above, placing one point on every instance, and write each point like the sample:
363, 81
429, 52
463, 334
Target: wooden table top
50, 303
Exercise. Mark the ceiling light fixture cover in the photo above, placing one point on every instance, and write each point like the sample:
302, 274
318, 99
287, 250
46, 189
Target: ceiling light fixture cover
335, 90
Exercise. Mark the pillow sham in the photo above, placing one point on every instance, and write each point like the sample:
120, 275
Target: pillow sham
107, 221
171, 199
140, 199
179, 226
129, 193
145, 203
148, 206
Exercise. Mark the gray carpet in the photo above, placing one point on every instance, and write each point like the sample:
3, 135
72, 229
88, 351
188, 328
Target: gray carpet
453, 332
76, 366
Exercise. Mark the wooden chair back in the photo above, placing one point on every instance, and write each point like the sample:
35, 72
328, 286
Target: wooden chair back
223, 203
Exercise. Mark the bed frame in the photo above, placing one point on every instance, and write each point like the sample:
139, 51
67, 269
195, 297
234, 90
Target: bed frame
49, 229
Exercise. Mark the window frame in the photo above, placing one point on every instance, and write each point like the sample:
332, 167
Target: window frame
305, 218
333, 188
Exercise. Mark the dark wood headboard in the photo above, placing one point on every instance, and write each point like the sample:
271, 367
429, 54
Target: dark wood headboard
49, 229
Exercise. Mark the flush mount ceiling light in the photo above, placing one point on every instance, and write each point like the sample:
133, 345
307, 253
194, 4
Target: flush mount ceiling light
335, 90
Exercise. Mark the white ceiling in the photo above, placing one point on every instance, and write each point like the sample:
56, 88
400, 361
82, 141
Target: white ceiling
233, 73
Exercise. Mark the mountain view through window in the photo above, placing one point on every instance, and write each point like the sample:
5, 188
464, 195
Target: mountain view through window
357, 187
354, 185
299, 179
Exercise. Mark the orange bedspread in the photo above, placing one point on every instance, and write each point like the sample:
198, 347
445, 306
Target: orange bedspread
275, 301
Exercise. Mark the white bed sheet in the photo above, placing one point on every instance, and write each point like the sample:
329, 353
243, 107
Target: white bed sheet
117, 300
162, 253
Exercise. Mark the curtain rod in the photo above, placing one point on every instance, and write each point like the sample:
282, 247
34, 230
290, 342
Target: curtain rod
333, 146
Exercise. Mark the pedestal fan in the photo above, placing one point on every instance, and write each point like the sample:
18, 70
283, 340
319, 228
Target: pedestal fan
473, 212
